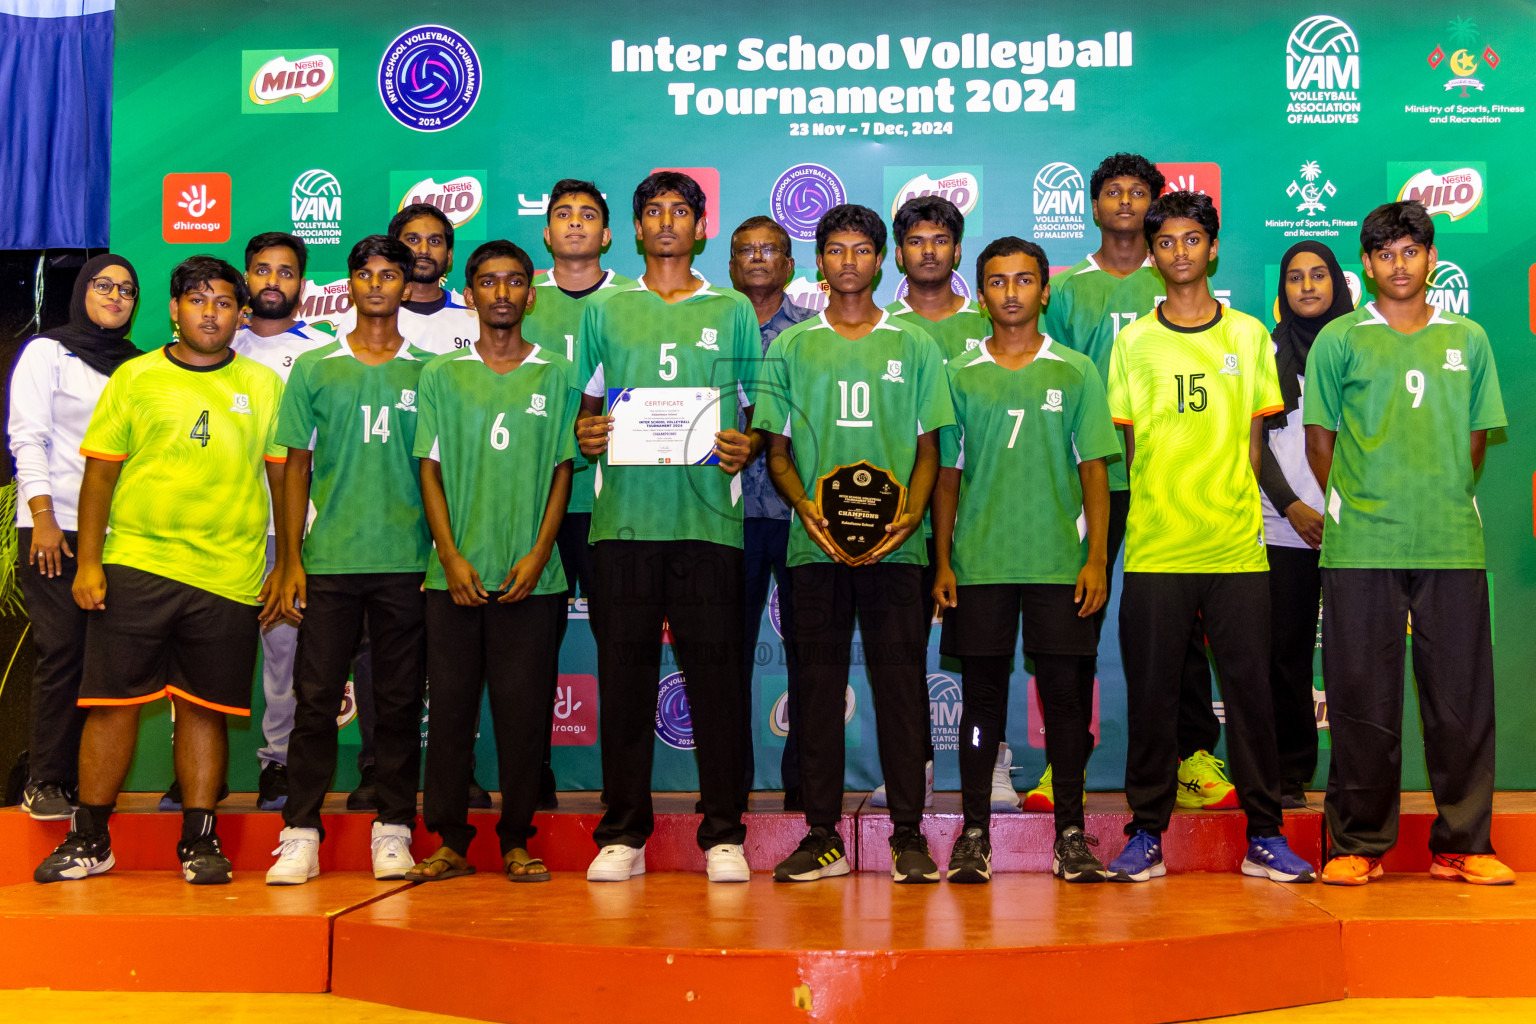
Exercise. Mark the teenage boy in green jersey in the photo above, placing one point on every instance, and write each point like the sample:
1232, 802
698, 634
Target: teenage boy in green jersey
1400, 398
852, 385
180, 457
577, 235
1024, 458
1191, 384
668, 538
349, 421
496, 440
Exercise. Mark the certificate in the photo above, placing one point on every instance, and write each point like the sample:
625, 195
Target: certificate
663, 426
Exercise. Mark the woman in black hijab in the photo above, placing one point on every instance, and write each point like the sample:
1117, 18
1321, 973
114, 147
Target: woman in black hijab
1313, 292
55, 384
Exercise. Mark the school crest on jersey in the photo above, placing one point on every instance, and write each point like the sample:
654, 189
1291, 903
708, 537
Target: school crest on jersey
407, 401
536, 406
892, 371
243, 403
1229, 364
1453, 360
1052, 400
972, 343
708, 338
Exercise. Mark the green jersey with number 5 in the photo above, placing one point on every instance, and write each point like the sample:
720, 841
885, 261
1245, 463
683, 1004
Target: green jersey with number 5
499, 438
1402, 491
360, 423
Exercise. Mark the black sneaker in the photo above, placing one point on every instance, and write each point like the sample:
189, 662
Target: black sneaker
364, 797
1072, 861
80, 855
203, 861
272, 787
970, 862
819, 855
910, 862
479, 799
171, 801
47, 801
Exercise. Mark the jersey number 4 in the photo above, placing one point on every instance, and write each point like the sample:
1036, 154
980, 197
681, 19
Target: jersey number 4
200, 429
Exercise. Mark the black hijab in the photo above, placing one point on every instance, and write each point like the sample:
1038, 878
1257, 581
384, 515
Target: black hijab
102, 349
1294, 333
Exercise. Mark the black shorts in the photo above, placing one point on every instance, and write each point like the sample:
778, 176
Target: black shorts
985, 621
155, 629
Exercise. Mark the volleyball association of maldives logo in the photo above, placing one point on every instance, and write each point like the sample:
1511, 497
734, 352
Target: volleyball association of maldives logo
674, 723
801, 195
429, 78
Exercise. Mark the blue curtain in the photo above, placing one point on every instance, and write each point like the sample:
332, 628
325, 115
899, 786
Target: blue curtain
55, 123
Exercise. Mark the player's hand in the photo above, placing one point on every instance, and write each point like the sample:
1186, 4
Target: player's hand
816, 528
271, 607
49, 548
291, 595
734, 449
90, 589
1092, 589
463, 582
945, 589
1305, 520
523, 577
592, 435
896, 535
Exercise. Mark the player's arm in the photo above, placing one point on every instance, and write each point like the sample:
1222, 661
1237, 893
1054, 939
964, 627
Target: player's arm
1479, 448
946, 499
524, 574
1130, 444
291, 595
96, 488
463, 582
786, 479
1093, 579
1320, 442
271, 587
1256, 446
592, 427
925, 470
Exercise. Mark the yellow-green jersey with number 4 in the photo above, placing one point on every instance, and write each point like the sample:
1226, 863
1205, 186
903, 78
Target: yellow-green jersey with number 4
191, 502
1017, 440
1189, 396
498, 437
1402, 492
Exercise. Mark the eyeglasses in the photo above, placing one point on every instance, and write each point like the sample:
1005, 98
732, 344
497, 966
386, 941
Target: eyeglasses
767, 252
104, 286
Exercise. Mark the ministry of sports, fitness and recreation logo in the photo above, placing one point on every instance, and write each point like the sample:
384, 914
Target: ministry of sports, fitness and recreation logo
709, 338
1311, 193
674, 725
1463, 62
1322, 72
536, 406
1060, 202
892, 371
1449, 290
944, 707
1457, 195
801, 195
275, 84
1052, 400
1193, 177
429, 78
1453, 360
460, 194
315, 203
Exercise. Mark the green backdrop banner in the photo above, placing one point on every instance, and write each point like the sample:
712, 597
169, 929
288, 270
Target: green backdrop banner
232, 119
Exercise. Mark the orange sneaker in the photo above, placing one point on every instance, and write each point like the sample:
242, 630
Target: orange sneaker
1477, 868
1351, 870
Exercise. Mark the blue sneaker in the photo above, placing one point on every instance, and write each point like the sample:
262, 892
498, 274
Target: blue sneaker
1271, 857
1141, 859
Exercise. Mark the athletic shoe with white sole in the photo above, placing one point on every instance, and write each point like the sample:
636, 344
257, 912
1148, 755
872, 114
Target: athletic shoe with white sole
878, 797
1072, 861
48, 801
726, 863
203, 861
1005, 799
298, 857
1142, 859
1203, 785
911, 864
970, 861
80, 855
391, 846
819, 855
617, 863
1271, 857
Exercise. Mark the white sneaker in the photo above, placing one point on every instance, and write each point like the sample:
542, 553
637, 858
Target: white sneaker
878, 799
298, 857
617, 863
725, 863
1005, 799
391, 851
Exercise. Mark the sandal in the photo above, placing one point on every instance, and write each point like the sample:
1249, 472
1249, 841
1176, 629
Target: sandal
521, 867
441, 866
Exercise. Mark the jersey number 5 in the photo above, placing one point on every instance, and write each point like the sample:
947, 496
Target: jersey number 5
200, 429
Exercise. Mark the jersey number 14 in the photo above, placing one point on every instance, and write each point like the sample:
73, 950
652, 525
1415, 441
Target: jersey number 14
376, 426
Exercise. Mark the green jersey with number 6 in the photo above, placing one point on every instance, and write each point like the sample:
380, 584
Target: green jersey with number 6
1017, 440
552, 325
636, 339
956, 334
1402, 491
360, 423
1190, 395
499, 438
841, 402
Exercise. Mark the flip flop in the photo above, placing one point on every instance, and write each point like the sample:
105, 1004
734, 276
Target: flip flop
454, 866
512, 859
